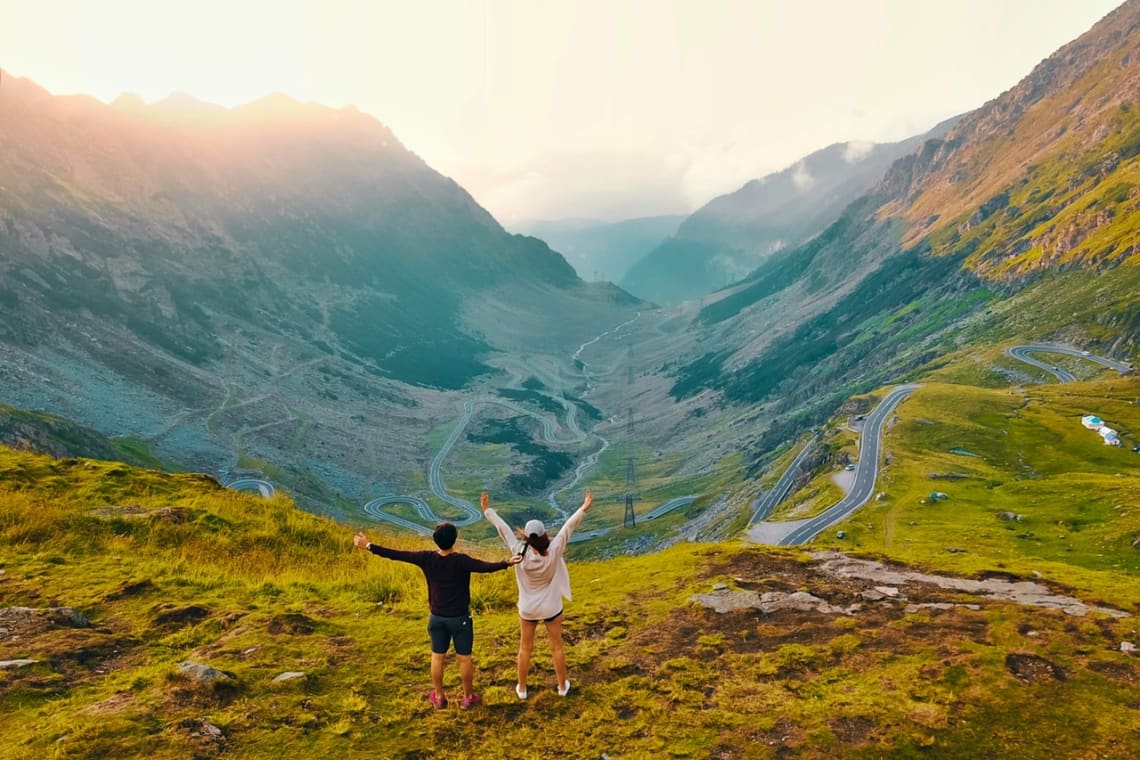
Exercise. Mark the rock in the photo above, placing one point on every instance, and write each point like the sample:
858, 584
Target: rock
1013, 516
1127, 646
955, 550
720, 586
871, 595
13, 664
841, 534
890, 591
768, 602
289, 675
196, 671
912, 608
25, 621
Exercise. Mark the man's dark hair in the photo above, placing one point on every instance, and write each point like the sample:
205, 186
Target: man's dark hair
445, 535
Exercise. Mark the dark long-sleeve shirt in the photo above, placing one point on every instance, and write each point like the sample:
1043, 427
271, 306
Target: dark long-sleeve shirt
448, 577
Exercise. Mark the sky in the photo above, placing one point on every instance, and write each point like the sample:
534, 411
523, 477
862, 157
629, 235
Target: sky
549, 109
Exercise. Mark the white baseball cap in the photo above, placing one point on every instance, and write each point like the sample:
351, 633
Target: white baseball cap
534, 528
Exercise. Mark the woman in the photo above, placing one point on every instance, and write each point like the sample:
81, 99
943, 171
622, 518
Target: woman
543, 582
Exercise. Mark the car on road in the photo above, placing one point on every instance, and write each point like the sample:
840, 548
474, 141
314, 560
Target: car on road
849, 467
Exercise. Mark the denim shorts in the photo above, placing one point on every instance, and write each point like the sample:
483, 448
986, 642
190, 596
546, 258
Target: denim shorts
446, 630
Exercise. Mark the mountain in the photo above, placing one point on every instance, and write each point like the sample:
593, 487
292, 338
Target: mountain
236, 285
990, 233
732, 234
46, 433
602, 250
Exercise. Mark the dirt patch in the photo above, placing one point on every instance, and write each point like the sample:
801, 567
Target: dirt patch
853, 729
169, 616
1121, 672
1031, 668
129, 589
293, 623
19, 622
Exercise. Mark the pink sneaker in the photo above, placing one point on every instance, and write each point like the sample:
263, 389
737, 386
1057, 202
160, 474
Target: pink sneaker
437, 701
468, 702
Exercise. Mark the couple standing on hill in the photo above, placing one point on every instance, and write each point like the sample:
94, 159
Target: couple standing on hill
543, 581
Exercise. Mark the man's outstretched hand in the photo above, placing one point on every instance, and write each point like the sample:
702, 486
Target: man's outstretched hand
588, 500
361, 540
485, 501
515, 559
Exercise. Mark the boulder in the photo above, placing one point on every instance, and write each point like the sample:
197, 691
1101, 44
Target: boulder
196, 671
289, 675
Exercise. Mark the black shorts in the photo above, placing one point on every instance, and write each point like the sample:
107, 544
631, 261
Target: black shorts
445, 630
550, 619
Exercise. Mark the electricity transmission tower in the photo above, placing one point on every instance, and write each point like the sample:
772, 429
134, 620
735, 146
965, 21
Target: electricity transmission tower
630, 493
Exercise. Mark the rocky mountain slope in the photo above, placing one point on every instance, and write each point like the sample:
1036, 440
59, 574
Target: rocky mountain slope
279, 282
732, 234
1039, 181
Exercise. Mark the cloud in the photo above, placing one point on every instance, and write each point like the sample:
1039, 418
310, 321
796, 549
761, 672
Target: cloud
857, 150
606, 184
802, 178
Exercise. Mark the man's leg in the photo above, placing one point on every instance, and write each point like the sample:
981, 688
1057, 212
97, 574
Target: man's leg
557, 653
526, 648
440, 643
437, 661
466, 673
463, 635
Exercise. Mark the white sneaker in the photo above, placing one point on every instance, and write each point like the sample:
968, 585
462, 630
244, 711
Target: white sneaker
520, 691
564, 689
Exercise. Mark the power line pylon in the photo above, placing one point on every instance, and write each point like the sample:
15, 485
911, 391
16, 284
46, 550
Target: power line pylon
630, 493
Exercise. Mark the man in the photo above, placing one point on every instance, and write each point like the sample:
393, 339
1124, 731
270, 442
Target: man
448, 575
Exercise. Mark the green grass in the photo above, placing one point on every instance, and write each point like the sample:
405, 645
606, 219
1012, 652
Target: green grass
277, 589
1076, 497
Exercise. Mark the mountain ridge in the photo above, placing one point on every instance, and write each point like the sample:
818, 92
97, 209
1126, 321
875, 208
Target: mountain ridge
734, 233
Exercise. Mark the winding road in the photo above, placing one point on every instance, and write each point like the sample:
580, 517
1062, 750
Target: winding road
867, 469
550, 431
1022, 353
253, 485
774, 495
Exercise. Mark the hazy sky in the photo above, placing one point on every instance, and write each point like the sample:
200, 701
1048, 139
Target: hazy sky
545, 109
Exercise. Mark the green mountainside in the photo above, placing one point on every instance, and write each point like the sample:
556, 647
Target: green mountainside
733, 233
1017, 204
48, 434
156, 615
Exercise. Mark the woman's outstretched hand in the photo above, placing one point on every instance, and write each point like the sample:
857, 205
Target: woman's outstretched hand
485, 501
588, 500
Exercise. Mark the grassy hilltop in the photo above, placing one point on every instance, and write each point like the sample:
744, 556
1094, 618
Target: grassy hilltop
163, 569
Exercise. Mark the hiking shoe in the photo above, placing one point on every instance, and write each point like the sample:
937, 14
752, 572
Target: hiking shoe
520, 691
436, 700
564, 689
470, 701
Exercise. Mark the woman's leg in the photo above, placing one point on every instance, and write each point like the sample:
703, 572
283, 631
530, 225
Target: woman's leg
526, 647
554, 631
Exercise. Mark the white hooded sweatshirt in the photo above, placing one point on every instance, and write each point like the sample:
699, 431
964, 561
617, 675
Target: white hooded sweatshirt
543, 581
